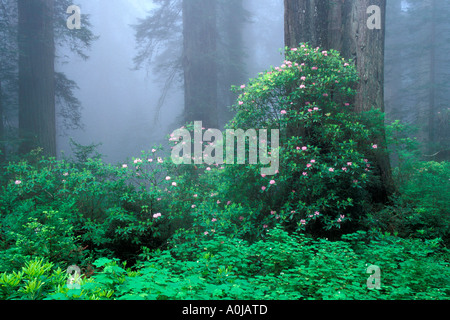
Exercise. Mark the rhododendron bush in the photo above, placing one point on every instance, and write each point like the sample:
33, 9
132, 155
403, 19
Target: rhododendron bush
326, 150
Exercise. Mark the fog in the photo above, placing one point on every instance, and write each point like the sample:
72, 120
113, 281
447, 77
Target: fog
119, 103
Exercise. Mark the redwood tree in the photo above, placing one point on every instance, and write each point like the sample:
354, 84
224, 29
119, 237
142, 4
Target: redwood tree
343, 25
37, 76
199, 61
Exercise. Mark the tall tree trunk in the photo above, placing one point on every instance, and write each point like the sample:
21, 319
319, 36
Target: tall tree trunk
36, 76
432, 95
2, 129
199, 61
231, 70
342, 25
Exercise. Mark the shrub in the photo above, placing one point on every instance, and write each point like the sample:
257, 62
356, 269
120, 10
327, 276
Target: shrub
327, 152
51, 208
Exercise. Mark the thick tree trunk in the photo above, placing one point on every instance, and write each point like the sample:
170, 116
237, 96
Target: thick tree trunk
199, 61
342, 25
36, 76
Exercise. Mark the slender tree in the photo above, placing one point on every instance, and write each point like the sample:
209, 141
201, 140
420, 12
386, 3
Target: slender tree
2, 129
232, 19
37, 123
343, 26
417, 71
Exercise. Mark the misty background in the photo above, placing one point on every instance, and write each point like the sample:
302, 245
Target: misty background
119, 103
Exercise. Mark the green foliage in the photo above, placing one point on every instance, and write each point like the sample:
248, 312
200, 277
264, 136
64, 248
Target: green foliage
282, 266
49, 208
33, 282
327, 151
421, 208
227, 231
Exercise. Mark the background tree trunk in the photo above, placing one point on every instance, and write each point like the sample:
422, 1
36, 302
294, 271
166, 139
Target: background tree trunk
37, 76
199, 61
2, 129
432, 97
232, 18
342, 25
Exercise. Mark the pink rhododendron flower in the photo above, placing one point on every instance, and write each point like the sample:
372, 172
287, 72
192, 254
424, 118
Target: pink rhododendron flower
331, 169
375, 146
272, 182
157, 215
17, 182
241, 103
302, 86
303, 78
263, 188
304, 148
313, 161
283, 112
